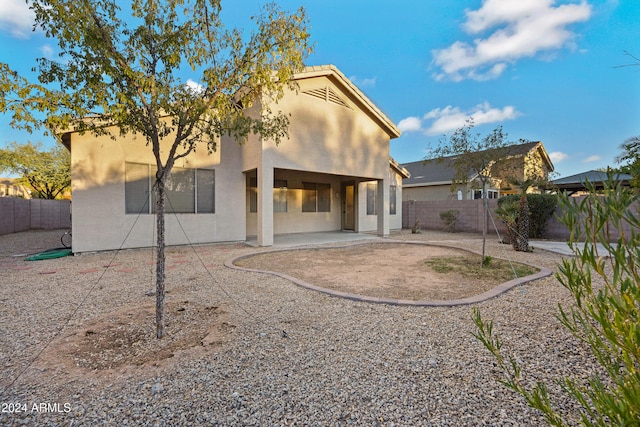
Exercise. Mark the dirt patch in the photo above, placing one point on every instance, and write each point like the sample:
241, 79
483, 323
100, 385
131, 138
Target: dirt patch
383, 270
127, 337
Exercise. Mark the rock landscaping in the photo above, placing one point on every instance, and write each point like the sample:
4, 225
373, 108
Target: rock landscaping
242, 348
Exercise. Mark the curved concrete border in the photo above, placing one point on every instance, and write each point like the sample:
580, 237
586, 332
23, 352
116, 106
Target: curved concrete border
492, 293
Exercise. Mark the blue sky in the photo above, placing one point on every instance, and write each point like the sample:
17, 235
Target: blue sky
545, 70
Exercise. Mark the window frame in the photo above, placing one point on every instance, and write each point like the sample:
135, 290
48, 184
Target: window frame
393, 189
280, 196
316, 197
148, 207
372, 198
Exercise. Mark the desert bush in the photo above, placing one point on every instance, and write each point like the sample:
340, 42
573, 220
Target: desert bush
541, 207
606, 316
450, 218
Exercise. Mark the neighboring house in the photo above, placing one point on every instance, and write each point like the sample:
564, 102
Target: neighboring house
575, 185
433, 179
9, 187
333, 173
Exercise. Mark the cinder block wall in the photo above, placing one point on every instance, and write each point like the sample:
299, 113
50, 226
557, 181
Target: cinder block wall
469, 219
557, 231
22, 215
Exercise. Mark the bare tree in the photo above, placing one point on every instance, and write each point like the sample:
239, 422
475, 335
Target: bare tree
123, 64
472, 155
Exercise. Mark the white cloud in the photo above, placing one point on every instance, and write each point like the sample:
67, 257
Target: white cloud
195, 87
591, 159
16, 18
363, 83
520, 29
558, 156
410, 124
443, 120
47, 51
451, 118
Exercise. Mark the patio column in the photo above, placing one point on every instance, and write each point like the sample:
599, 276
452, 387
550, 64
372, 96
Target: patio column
383, 207
265, 206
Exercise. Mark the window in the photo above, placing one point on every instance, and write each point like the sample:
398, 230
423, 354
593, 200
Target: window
392, 200
205, 191
324, 198
372, 188
136, 188
187, 190
316, 197
180, 190
491, 194
253, 195
279, 195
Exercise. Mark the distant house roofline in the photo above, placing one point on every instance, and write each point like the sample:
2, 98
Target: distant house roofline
577, 182
441, 171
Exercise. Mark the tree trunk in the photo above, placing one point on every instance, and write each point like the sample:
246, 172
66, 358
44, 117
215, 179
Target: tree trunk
522, 236
160, 201
485, 207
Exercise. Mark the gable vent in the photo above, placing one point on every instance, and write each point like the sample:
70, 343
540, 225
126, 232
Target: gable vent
327, 94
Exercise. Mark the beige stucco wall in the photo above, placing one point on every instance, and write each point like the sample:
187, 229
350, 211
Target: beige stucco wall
98, 184
323, 137
369, 223
342, 143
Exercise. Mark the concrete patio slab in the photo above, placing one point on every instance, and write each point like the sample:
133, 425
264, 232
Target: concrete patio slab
561, 248
320, 238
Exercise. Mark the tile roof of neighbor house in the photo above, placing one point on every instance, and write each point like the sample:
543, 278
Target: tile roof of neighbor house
441, 171
431, 172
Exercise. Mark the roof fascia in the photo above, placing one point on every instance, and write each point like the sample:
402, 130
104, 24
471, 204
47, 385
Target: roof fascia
398, 168
428, 184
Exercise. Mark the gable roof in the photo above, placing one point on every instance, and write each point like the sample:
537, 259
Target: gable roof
441, 171
333, 74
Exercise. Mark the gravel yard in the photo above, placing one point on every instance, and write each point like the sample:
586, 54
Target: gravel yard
254, 349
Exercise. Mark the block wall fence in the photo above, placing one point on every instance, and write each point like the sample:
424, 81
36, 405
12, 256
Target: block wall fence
33, 214
470, 217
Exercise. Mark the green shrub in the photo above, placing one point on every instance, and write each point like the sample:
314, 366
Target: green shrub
449, 218
541, 207
507, 211
605, 315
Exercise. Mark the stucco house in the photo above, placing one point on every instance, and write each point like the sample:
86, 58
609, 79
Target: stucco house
333, 173
10, 187
433, 179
